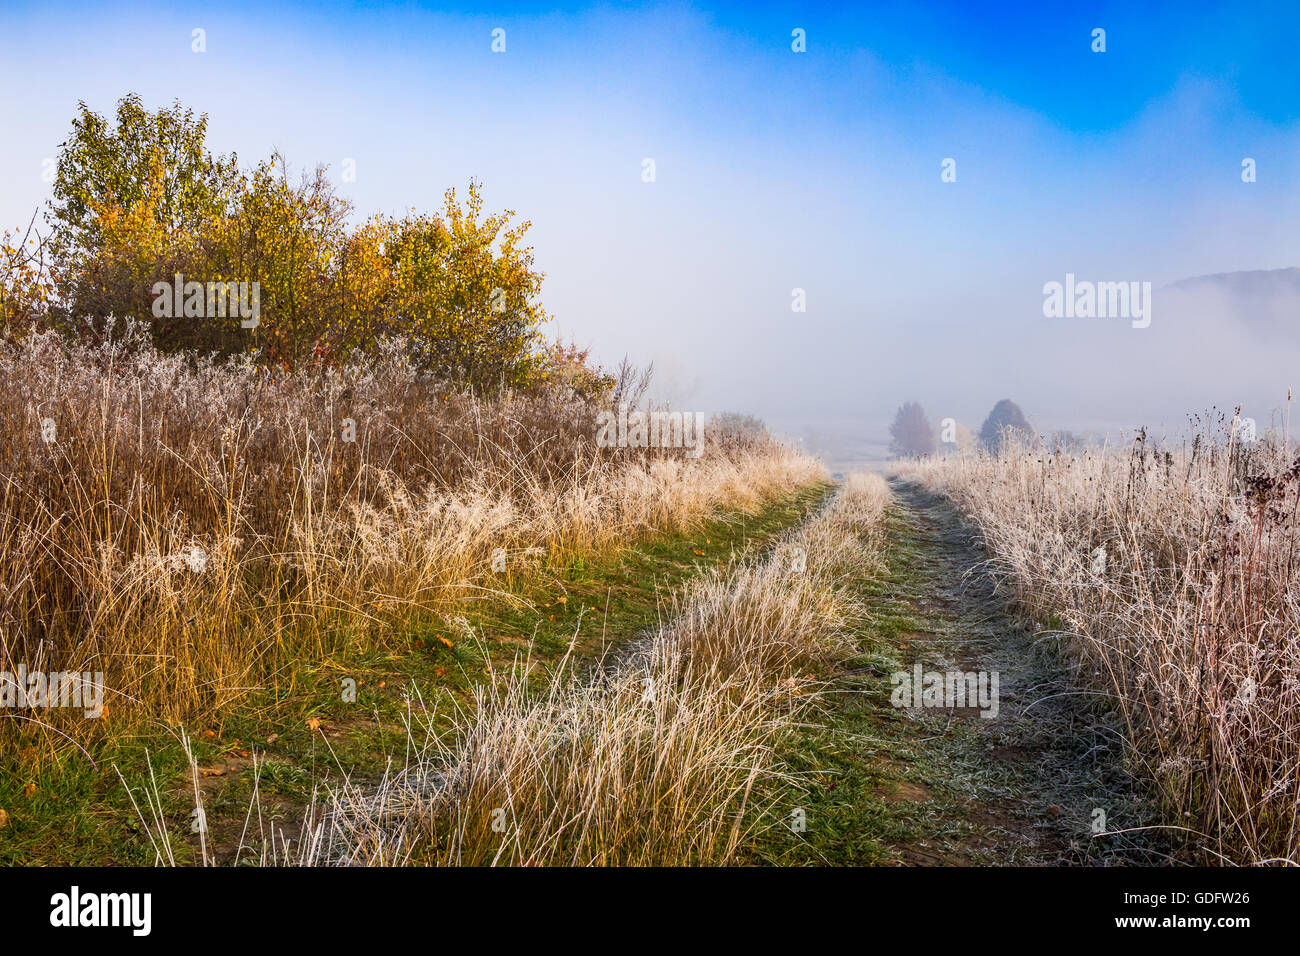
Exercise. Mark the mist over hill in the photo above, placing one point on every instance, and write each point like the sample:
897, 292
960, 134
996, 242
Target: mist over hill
1262, 302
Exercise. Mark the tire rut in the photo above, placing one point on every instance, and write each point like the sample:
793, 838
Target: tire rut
1042, 782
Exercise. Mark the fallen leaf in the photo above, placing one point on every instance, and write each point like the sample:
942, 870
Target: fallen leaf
273, 738
209, 734
29, 790
4, 819
214, 773
1054, 810
313, 723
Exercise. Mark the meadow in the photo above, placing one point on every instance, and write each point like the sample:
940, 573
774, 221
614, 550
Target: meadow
371, 570
205, 533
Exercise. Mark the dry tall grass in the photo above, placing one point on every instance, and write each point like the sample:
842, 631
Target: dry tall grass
671, 756
188, 527
1175, 573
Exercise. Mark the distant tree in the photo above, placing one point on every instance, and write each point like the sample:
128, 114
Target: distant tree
1005, 421
745, 427
733, 430
954, 440
911, 435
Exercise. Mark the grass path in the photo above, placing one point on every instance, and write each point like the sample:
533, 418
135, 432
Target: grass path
70, 812
885, 786
939, 786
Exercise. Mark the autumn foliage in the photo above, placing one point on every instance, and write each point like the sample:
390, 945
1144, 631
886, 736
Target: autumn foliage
140, 201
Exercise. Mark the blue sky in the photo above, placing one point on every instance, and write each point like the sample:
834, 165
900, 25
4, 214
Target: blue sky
775, 170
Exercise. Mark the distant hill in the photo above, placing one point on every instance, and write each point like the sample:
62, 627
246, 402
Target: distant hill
1265, 302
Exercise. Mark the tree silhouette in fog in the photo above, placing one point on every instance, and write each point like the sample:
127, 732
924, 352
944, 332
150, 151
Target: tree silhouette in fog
911, 435
1005, 421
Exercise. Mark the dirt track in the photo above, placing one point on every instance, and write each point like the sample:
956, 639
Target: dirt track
1029, 786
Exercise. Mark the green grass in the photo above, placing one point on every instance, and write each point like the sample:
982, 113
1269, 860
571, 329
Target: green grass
81, 815
858, 755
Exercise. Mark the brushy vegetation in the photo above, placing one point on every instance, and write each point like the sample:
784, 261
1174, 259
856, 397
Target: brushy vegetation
139, 200
671, 755
1171, 573
188, 523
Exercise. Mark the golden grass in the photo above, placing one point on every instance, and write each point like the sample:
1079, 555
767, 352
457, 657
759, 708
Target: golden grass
189, 528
